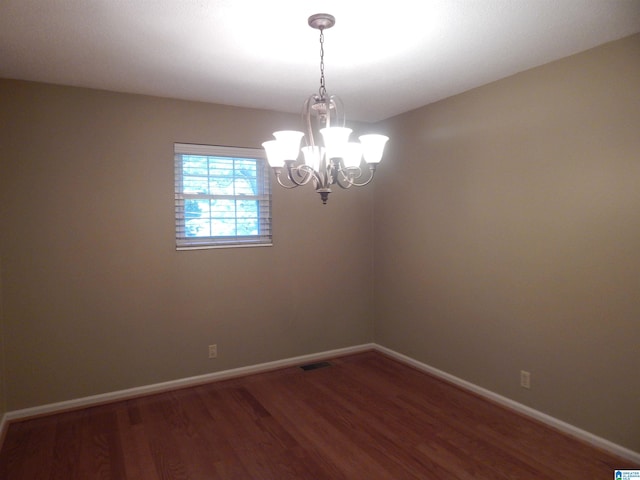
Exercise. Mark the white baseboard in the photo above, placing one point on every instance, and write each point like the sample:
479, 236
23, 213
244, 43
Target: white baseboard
314, 357
180, 383
567, 428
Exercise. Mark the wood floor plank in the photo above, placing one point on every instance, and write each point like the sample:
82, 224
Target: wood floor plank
397, 429
528, 440
355, 417
247, 425
67, 446
138, 460
28, 453
102, 454
175, 445
366, 416
432, 430
291, 401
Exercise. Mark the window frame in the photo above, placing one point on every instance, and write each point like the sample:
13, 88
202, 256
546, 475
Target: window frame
264, 238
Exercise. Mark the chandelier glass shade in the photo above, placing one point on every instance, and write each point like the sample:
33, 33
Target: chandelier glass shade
328, 157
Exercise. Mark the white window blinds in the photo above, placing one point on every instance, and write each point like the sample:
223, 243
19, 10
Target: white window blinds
222, 197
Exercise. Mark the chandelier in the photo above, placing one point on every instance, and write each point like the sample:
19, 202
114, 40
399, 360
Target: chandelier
334, 160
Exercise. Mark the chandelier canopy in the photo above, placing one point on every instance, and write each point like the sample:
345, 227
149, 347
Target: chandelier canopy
334, 160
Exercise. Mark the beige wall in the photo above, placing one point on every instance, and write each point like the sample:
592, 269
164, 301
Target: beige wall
507, 237
96, 298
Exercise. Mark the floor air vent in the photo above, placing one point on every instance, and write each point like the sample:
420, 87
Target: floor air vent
315, 366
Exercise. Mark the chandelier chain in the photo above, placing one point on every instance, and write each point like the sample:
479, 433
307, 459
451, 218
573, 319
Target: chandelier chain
322, 91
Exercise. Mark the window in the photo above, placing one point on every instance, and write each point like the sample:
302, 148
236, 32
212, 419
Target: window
222, 197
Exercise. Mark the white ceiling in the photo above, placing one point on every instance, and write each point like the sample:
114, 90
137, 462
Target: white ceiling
382, 58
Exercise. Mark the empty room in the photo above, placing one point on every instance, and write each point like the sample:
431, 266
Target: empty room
319, 239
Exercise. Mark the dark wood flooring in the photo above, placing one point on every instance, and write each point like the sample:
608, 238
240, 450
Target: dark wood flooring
364, 417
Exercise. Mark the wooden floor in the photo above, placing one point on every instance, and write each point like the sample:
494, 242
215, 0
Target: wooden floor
364, 417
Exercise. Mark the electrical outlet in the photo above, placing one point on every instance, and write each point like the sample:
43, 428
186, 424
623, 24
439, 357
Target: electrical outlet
525, 379
213, 351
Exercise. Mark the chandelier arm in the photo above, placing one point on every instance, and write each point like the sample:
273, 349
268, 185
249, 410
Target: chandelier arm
344, 186
347, 178
278, 172
309, 173
372, 170
351, 181
338, 108
306, 117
